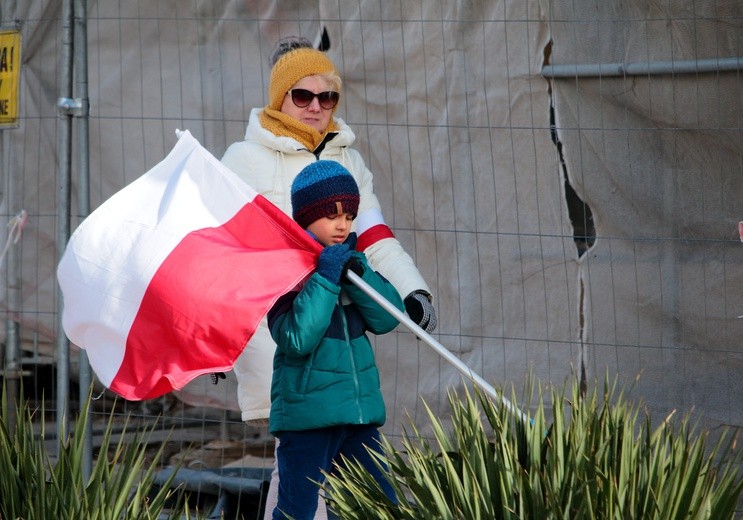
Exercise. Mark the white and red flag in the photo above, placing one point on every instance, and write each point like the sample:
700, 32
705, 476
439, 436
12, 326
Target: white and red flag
169, 278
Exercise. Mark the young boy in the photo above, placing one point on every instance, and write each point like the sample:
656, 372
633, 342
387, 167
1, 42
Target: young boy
325, 395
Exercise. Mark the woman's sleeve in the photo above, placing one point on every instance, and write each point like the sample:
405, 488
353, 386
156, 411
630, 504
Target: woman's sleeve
376, 240
235, 158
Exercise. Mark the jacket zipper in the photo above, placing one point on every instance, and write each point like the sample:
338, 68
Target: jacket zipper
306, 374
353, 362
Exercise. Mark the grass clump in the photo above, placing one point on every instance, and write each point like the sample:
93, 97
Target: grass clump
120, 485
599, 458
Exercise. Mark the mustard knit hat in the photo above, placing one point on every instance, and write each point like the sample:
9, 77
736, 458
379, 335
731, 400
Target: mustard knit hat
292, 67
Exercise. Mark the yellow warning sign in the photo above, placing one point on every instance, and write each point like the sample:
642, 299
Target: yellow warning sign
10, 74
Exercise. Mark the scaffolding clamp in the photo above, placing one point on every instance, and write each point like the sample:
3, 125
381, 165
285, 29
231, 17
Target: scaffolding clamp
75, 107
14, 373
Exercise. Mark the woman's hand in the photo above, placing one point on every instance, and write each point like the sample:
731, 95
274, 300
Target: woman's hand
420, 309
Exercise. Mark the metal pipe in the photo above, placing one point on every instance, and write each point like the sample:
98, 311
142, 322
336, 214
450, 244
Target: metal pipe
431, 342
648, 68
83, 193
12, 370
64, 162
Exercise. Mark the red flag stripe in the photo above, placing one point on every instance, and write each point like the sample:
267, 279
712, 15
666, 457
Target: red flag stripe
169, 277
208, 297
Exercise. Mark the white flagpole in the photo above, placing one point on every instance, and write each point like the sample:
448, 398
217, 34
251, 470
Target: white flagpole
431, 342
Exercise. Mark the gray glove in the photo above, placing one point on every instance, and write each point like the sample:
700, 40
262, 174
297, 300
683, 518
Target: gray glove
420, 310
216, 376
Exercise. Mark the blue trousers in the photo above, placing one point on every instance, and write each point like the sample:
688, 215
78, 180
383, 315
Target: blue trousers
303, 455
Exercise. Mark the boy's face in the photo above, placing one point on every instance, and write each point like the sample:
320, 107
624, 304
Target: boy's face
333, 229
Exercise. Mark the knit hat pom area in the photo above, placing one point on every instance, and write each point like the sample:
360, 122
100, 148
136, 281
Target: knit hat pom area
321, 189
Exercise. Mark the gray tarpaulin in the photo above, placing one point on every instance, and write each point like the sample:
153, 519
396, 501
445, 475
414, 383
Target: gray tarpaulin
657, 157
452, 114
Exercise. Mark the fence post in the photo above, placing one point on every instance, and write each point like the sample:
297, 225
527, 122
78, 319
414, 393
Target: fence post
83, 189
65, 109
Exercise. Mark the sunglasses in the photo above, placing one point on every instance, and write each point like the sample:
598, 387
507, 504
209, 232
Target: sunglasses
302, 98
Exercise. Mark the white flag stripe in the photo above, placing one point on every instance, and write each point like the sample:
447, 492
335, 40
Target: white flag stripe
120, 246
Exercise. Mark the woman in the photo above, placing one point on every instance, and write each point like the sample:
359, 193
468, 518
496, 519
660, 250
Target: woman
296, 128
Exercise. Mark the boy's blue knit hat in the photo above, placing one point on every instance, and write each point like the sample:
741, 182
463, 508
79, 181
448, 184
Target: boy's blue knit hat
321, 189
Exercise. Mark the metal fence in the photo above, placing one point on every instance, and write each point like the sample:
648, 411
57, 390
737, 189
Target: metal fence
567, 175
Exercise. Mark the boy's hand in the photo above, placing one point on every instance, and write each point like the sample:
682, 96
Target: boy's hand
332, 261
355, 265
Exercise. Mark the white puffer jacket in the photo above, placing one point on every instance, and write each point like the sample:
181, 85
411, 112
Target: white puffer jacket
268, 164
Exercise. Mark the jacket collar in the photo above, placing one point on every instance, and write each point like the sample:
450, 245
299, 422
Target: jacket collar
256, 132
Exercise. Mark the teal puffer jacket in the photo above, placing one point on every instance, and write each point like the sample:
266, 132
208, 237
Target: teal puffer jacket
324, 368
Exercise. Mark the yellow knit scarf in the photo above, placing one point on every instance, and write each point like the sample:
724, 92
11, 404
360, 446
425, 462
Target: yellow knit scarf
282, 125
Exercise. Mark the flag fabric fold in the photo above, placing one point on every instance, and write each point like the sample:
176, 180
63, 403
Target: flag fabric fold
170, 277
